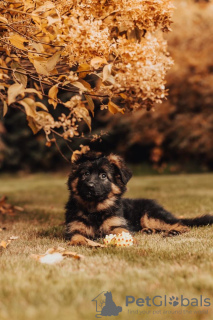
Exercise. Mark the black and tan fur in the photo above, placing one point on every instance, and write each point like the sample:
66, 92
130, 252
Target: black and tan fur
96, 207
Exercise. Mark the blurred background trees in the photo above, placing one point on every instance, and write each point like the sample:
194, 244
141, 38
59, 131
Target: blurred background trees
173, 136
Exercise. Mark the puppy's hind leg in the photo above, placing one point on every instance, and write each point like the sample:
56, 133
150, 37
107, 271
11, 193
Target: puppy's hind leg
169, 227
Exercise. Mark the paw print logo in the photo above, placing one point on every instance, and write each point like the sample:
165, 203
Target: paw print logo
174, 301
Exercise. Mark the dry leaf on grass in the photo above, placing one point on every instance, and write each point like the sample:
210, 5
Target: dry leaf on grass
71, 254
64, 253
56, 255
8, 209
14, 238
49, 258
4, 244
95, 244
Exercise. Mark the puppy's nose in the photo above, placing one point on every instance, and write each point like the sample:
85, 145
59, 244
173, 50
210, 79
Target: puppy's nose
91, 185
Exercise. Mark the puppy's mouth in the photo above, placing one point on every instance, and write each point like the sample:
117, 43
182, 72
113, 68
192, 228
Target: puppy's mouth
94, 196
90, 195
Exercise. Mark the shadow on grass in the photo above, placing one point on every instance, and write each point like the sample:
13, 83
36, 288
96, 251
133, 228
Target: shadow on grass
53, 232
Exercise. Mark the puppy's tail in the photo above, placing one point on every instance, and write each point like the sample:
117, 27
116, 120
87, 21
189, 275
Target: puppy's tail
199, 221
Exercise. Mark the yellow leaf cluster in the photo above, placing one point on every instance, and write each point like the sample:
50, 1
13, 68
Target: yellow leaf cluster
52, 49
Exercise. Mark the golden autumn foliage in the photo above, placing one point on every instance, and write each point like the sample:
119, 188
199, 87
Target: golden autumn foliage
181, 130
47, 48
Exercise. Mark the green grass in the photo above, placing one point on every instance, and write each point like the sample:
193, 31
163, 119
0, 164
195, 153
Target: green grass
157, 266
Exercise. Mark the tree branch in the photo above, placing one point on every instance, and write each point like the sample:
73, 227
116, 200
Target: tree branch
25, 36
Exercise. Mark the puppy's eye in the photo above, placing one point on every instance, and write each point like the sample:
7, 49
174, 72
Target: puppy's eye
86, 173
102, 175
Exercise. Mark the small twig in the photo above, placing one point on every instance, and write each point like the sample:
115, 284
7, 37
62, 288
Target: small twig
59, 150
22, 12
21, 22
69, 146
42, 54
42, 89
50, 84
25, 36
73, 91
110, 14
13, 70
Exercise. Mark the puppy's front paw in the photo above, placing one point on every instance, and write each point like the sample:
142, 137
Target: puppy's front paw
78, 240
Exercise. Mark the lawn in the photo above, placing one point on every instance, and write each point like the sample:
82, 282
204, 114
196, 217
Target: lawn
158, 266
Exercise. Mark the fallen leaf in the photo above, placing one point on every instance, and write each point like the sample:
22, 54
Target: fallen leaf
94, 244
18, 208
36, 256
51, 258
4, 244
2, 200
14, 238
8, 209
74, 255
56, 255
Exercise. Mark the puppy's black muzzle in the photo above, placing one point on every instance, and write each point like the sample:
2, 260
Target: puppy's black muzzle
92, 191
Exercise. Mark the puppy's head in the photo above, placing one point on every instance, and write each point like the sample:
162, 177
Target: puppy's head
95, 177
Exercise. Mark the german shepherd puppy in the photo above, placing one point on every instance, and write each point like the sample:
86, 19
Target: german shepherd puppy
96, 208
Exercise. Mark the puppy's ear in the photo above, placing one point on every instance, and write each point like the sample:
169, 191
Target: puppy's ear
72, 175
79, 157
121, 167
